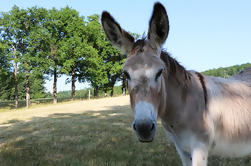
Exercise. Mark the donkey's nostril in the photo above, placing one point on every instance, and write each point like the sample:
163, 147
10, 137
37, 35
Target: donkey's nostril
145, 130
134, 126
143, 127
152, 127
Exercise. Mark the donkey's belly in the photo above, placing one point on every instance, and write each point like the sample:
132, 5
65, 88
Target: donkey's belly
231, 149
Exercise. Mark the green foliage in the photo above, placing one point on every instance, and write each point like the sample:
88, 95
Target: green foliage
93, 67
6, 84
19, 44
227, 71
6, 78
53, 42
71, 47
36, 82
102, 63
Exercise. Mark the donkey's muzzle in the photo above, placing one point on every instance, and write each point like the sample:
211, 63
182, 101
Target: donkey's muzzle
145, 130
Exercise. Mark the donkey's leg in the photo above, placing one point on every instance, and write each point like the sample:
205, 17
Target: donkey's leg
199, 155
185, 157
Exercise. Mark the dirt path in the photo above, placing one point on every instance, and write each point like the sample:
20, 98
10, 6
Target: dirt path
69, 107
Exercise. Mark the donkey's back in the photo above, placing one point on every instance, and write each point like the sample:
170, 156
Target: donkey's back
230, 110
244, 76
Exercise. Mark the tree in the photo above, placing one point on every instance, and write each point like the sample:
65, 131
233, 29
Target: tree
114, 61
11, 24
72, 46
32, 62
39, 50
92, 64
92, 68
19, 33
53, 34
102, 65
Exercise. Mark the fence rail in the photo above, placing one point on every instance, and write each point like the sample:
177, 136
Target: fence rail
22, 103
83, 95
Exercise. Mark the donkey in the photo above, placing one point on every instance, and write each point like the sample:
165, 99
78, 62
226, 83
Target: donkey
202, 115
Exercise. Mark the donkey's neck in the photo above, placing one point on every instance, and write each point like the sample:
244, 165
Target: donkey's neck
184, 104
184, 93
175, 99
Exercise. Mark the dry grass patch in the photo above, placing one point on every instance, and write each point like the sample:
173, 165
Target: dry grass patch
84, 133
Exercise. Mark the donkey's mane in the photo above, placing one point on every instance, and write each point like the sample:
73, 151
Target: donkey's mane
175, 68
173, 64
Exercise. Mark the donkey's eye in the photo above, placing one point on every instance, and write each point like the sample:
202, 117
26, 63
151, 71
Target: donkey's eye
127, 75
158, 74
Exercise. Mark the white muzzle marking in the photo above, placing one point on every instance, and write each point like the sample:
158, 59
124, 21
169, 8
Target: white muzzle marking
145, 111
145, 121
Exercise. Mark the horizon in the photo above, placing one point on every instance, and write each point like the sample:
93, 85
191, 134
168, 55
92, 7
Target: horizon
203, 35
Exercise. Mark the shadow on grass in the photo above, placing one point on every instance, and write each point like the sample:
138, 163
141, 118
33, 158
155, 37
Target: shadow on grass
91, 138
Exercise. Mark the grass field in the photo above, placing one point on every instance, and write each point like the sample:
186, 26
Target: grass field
84, 133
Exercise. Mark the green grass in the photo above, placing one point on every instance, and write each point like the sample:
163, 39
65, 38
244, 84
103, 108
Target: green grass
93, 138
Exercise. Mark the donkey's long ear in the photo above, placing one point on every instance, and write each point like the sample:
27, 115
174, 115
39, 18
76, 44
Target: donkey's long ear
119, 38
158, 26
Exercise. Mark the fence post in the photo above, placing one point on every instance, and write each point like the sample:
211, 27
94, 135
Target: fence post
89, 96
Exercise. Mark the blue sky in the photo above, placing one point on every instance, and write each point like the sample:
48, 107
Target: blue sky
203, 34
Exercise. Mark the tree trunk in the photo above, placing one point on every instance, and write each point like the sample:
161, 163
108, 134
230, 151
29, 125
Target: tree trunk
73, 87
15, 77
112, 92
123, 91
112, 85
55, 86
96, 91
105, 92
27, 90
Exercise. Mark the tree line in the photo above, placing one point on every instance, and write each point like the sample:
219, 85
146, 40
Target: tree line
38, 43
226, 72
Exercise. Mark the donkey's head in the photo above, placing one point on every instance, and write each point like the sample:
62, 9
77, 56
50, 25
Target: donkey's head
143, 69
